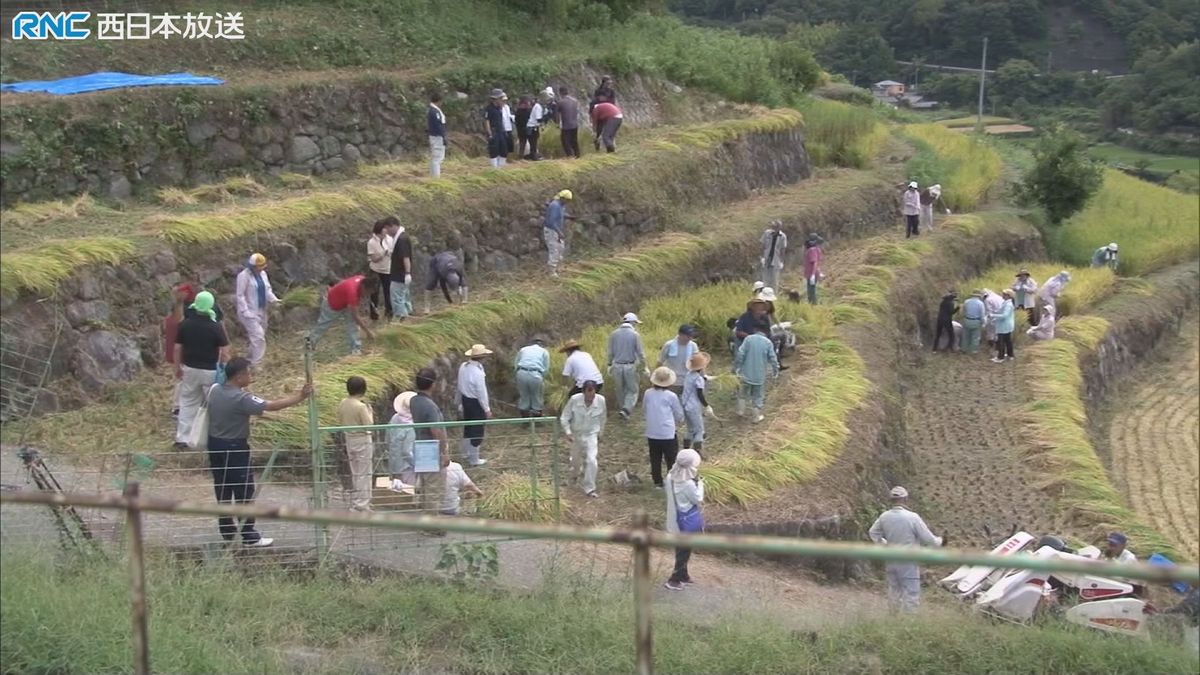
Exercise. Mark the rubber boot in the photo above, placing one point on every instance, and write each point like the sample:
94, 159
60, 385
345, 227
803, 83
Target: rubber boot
462, 293
741, 407
427, 307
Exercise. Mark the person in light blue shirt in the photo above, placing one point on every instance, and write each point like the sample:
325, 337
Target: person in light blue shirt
1005, 323
755, 358
552, 229
664, 414
974, 313
530, 367
676, 352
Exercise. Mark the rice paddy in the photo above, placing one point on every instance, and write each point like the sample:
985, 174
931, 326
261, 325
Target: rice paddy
966, 166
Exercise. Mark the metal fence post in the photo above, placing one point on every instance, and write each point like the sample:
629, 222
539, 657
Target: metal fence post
644, 636
137, 585
534, 492
320, 531
556, 470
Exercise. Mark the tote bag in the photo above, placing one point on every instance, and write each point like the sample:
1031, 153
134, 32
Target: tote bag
691, 521
198, 438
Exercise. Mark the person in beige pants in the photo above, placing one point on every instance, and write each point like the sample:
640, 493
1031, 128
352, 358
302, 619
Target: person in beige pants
360, 446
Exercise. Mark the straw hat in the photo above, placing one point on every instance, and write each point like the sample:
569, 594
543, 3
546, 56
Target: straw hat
1008, 293
569, 345
699, 361
400, 403
766, 295
1022, 272
258, 260
477, 351
662, 377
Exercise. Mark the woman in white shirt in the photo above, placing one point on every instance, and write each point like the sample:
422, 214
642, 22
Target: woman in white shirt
685, 494
379, 258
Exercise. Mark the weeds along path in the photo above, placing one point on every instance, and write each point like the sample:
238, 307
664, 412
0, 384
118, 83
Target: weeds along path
1154, 438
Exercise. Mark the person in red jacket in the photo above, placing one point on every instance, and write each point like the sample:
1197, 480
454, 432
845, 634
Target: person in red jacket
342, 301
606, 120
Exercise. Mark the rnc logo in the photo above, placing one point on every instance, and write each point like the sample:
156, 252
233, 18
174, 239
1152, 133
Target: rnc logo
46, 25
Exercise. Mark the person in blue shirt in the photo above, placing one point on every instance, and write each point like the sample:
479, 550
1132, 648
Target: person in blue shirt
435, 127
755, 358
1005, 321
552, 229
974, 313
531, 365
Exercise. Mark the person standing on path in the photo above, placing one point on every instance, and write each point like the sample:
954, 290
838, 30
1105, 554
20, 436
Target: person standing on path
341, 302
900, 527
664, 414
774, 246
495, 119
1053, 288
973, 316
625, 354
1005, 321
200, 344
230, 407
446, 272
360, 445
533, 125
992, 302
254, 296
567, 114
552, 229
379, 259
1106, 256
435, 128
582, 421
425, 410
695, 405
606, 122
685, 496
401, 441
911, 209
521, 123
945, 317
814, 258
580, 367
531, 366
473, 402
754, 359
181, 296
1025, 294
677, 351
402, 267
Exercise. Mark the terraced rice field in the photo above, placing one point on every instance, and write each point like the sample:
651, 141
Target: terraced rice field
1155, 442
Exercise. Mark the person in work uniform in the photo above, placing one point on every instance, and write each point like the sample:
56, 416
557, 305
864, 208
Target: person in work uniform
754, 359
945, 317
531, 366
1025, 294
473, 401
900, 527
254, 296
774, 242
582, 421
494, 120
552, 229
974, 314
625, 353
1106, 256
446, 272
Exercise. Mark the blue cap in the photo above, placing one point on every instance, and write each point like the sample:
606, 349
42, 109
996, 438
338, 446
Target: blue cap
1117, 539
686, 329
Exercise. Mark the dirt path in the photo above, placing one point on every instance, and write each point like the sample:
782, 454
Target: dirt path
962, 416
1154, 436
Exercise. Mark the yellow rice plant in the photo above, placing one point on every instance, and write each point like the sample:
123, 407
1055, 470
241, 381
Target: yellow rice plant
667, 251
41, 268
1056, 422
1087, 286
174, 196
1154, 226
297, 181
511, 496
302, 296
839, 134
25, 215
971, 166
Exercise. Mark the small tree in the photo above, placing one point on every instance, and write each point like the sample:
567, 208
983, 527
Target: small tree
1062, 178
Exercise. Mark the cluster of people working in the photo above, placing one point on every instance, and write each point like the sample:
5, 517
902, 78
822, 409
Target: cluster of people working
991, 315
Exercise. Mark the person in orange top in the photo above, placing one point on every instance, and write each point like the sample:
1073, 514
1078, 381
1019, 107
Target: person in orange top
606, 121
342, 301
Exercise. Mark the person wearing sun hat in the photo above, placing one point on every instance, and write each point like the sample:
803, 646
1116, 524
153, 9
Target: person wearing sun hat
695, 405
552, 229
579, 368
774, 246
900, 527
401, 442
473, 401
254, 296
664, 414
1005, 324
200, 345
911, 208
625, 353
1106, 256
494, 122
1054, 286
1025, 294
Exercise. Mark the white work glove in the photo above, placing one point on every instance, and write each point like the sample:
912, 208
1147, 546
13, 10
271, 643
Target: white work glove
709, 411
646, 371
407, 279
608, 370
947, 211
762, 262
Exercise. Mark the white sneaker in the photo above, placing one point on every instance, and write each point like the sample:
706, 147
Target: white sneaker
758, 418
402, 487
997, 359
479, 463
262, 542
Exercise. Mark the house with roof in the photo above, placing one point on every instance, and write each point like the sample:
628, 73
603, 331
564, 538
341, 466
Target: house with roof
897, 94
888, 89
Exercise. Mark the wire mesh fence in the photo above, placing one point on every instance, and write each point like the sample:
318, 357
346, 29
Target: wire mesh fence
25, 362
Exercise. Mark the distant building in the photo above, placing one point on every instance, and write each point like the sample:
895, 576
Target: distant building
888, 89
896, 94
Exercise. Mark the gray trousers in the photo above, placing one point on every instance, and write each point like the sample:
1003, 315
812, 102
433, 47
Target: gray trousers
694, 416
530, 391
770, 276
626, 385
328, 317
904, 587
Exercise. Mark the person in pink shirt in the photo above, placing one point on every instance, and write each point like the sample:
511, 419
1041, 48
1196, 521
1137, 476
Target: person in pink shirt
813, 260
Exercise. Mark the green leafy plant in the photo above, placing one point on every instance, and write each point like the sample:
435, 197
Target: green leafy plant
468, 561
1062, 178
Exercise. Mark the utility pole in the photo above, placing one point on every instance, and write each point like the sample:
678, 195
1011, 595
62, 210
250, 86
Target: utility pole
982, 78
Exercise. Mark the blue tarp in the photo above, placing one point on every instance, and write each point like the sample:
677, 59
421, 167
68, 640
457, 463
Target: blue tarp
100, 81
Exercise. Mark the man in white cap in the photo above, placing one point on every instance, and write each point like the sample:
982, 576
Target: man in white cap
774, 242
254, 295
1106, 256
911, 208
473, 401
625, 353
552, 229
900, 527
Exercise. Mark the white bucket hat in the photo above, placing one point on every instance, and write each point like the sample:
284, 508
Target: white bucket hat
630, 317
898, 492
401, 403
766, 295
662, 377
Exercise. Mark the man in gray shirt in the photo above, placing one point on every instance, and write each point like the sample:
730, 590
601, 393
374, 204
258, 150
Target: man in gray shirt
230, 407
900, 527
446, 271
625, 352
567, 115
424, 411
